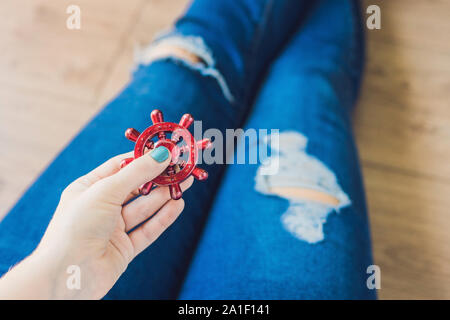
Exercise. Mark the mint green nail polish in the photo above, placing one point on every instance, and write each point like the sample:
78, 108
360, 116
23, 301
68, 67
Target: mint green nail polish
160, 154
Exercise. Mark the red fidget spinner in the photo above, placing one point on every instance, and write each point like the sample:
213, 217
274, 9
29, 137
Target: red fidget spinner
180, 143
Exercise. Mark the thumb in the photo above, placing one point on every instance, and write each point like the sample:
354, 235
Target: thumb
145, 168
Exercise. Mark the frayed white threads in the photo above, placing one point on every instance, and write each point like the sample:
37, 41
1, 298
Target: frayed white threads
304, 218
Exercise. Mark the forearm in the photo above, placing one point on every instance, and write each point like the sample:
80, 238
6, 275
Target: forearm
30, 279
40, 277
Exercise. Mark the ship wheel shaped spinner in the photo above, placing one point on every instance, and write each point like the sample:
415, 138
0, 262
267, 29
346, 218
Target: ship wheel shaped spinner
180, 143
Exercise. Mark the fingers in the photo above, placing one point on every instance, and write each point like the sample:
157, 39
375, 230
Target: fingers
146, 234
106, 169
115, 188
133, 194
143, 208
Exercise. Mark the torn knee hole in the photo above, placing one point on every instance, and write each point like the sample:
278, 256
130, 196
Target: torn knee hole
163, 50
305, 194
312, 189
191, 51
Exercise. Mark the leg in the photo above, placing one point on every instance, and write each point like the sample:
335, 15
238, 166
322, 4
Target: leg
244, 36
300, 232
208, 83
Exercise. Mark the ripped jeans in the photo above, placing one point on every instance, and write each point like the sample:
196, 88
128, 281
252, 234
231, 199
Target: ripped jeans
288, 65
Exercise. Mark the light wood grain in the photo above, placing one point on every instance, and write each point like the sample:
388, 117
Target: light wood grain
402, 122
402, 127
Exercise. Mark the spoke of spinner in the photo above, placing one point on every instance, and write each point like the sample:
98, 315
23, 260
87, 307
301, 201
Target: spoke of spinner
204, 144
185, 122
175, 189
200, 174
157, 117
146, 188
201, 145
132, 135
125, 162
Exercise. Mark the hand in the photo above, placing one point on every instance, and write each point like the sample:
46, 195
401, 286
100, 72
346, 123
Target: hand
91, 230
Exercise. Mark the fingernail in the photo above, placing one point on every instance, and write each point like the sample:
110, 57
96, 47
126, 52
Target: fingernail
160, 154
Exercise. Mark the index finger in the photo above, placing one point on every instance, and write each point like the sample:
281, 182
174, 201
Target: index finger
105, 170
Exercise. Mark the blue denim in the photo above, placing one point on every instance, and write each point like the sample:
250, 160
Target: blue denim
244, 251
293, 66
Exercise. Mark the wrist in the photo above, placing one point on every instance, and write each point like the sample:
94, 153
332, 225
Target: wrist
62, 273
27, 280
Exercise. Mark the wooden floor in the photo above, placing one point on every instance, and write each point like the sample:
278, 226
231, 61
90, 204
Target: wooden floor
52, 80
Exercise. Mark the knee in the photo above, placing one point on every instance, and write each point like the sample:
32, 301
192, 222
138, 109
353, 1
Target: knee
191, 52
164, 51
311, 188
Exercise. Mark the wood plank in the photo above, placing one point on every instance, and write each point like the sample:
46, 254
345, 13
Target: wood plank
34, 127
403, 119
38, 52
409, 224
49, 78
156, 16
402, 127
